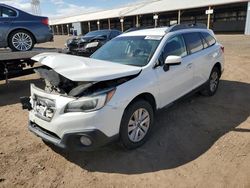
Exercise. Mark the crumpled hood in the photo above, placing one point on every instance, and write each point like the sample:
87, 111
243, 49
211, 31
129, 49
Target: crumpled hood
78, 68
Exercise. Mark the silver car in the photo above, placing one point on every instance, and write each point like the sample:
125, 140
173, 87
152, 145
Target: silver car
21, 31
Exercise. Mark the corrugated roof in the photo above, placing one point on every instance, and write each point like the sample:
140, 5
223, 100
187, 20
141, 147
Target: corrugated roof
156, 6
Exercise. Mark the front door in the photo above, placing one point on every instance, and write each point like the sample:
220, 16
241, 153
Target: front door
178, 80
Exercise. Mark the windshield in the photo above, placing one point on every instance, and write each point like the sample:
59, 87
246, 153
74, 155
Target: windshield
131, 50
96, 33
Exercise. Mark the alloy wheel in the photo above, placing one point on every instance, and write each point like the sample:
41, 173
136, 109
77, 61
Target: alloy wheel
214, 81
22, 41
138, 125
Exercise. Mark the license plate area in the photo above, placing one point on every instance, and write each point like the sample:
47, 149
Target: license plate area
44, 108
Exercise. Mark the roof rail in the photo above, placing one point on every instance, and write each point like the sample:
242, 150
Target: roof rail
177, 27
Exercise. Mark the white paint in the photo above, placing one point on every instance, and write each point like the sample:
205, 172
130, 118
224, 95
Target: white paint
85, 69
210, 11
77, 27
148, 7
155, 17
165, 86
247, 26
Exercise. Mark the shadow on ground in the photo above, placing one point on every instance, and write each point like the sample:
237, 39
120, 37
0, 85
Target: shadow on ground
181, 134
11, 93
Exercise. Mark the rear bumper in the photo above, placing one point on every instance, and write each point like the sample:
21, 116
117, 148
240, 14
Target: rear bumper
71, 141
45, 36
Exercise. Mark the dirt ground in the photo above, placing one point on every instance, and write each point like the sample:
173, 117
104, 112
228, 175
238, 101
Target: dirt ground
200, 142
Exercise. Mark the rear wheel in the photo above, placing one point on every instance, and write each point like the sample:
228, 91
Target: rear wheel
136, 125
213, 83
21, 40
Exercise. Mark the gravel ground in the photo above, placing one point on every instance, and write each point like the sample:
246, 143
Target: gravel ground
199, 142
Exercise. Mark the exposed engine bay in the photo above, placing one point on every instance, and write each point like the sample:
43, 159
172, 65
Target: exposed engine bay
58, 84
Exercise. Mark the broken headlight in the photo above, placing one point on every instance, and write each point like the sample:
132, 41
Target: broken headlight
92, 45
88, 104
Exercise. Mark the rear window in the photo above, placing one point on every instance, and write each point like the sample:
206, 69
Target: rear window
193, 42
210, 40
6, 12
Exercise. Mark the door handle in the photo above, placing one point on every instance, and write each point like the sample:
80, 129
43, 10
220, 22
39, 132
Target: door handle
189, 66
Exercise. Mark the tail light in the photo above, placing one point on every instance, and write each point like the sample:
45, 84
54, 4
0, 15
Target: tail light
45, 21
222, 48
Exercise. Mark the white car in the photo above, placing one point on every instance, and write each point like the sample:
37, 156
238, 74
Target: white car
88, 102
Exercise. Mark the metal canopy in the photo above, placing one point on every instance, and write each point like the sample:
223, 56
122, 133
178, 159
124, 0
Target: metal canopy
156, 6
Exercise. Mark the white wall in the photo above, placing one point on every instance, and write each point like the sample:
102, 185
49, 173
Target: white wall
77, 26
247, 28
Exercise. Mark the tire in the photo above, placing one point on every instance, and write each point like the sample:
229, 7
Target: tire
212, 84
21, 40
140, 132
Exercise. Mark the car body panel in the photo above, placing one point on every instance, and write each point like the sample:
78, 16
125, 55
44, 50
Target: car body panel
78, 68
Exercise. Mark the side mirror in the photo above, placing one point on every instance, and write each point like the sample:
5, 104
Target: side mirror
171, 60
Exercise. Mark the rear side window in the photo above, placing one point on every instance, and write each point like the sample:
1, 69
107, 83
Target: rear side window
6, 12
210, 40
175, 46
193, 42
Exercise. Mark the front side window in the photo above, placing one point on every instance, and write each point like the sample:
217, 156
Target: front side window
130, 50
6, 12
193, 42
175, 46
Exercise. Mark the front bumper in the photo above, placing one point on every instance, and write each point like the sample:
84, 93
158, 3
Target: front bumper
65, 129
71, 141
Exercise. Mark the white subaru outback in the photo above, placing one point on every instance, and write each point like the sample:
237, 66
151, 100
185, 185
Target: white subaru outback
88, 102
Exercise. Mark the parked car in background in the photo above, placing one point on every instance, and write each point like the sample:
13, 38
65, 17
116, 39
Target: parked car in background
89, 43
20, 30
114, 94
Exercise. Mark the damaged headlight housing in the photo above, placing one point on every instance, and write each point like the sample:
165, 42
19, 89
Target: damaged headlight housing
92, 44
89, 104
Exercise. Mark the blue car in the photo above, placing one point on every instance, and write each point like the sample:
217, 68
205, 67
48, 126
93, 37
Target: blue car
21, 31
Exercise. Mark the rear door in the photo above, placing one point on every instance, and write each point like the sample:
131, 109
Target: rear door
7, 16
196, 56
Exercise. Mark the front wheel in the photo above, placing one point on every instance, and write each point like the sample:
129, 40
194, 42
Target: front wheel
21, 40
213, 83
136, 124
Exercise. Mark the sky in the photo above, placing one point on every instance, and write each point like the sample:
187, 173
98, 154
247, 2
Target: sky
63, 8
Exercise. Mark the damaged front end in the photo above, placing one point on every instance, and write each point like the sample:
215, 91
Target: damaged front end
86, 84
58, 84
87, 96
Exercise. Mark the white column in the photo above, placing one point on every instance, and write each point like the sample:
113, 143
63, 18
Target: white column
155, 17
247, 27
122, 21
208, 18
179, 17
137, 21
98, 24
53, 29
109, 23
68, 29
89, 26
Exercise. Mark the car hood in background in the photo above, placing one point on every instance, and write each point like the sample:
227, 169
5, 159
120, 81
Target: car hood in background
78, 68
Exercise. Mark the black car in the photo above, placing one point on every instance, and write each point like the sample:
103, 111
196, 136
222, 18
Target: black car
89, 43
